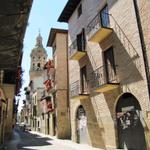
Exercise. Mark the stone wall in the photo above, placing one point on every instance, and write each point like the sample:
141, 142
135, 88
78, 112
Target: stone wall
129, 69
61, 86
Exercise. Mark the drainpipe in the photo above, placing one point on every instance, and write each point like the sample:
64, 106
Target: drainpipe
138, 19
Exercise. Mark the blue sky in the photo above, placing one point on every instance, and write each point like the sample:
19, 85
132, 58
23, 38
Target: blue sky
43, 16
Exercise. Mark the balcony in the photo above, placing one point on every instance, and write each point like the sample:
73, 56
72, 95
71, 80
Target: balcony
98, 29
102, 80
76, 52
48, 85
77, 92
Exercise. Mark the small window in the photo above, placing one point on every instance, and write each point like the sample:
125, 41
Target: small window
33, 58
38, 66
39, 57
79, 10
33, 66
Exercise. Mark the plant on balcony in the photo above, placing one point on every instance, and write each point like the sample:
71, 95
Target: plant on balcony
19, 80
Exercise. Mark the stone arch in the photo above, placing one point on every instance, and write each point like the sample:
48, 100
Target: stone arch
127, 95
129, 123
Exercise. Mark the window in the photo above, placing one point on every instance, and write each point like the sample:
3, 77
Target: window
33, 66
110, 67
104, 14
81, 42
79, 10
83, 80
38, 66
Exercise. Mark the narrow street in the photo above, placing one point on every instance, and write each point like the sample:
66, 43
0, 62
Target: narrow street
35, 141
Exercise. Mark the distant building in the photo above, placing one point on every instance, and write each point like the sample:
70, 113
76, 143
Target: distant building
47, 103
58, 41
38, 60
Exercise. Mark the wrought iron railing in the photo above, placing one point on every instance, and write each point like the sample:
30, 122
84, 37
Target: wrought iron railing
73, 48
101, 77
99, 21
76, 88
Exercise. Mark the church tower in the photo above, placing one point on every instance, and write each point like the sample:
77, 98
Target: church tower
38, 59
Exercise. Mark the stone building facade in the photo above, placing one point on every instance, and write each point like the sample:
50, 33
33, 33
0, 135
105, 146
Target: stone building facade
10, 62
47, 102
109, 97
58, 41
143, 19
38, 60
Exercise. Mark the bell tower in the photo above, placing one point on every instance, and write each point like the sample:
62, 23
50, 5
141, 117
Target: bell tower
38, 59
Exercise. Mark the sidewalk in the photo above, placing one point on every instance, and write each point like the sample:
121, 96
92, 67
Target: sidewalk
67, 143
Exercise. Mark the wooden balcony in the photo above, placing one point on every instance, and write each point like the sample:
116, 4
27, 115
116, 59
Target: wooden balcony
101, 81
75, 52
98, 29
76, 92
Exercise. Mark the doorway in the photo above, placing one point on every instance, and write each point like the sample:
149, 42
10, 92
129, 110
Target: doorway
110, 68
82, 131
84, 84
129, 123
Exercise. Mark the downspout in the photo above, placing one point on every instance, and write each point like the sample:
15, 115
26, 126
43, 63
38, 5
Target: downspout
138, 19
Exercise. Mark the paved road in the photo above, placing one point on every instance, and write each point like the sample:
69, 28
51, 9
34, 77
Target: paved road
35, 141
27, 141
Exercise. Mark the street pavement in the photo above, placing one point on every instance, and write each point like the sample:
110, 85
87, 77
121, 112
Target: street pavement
37, 141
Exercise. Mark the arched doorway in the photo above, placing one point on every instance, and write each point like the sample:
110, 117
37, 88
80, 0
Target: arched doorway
81, 120
130, 129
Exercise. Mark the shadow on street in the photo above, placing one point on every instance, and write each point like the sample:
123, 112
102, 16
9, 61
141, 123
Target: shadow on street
21, 140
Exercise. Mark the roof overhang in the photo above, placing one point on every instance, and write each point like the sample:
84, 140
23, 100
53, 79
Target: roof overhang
13, 22
52, 35
68, 10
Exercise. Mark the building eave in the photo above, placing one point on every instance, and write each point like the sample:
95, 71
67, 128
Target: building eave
52, 35
68, 10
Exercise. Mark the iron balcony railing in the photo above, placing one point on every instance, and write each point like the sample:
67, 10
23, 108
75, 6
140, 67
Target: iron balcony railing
76, 47
102, 76
101, 20
73, 48
76, 88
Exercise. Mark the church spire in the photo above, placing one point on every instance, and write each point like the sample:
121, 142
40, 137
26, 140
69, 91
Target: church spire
39, 40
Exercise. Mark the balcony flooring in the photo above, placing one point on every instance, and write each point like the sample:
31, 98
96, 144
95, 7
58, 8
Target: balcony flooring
106, 87
100, 35
80, 96
77, 55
